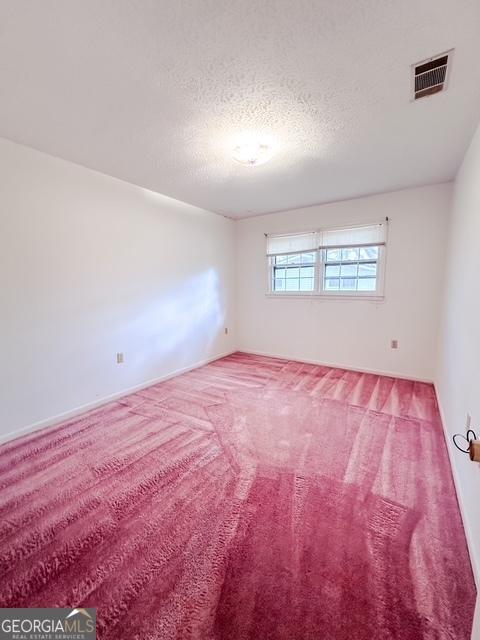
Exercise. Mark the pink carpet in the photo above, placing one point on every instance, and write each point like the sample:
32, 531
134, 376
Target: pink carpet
254, 498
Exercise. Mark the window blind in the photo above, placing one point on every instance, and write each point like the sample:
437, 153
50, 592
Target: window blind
293, 243
364, 236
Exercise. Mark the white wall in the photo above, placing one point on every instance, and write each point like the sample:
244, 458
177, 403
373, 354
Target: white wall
353, 333
458, 373
91, 266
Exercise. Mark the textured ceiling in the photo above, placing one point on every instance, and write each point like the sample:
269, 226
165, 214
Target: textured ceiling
154, 92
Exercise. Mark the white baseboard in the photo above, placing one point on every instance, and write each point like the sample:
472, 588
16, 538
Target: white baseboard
336, 365
458, 490
61, 417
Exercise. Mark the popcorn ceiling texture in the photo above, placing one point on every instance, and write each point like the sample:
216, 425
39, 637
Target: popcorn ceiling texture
254, 498
155, 93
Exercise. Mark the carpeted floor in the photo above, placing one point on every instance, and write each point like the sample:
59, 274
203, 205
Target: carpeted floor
254, 498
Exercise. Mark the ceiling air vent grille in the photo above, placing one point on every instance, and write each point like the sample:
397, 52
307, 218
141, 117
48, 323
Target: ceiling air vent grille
430, 76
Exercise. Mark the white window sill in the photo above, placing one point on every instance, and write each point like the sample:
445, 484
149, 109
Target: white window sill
328, 296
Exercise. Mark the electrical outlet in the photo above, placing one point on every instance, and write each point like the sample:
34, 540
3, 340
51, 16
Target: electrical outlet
119, 358
394, 344
226, 331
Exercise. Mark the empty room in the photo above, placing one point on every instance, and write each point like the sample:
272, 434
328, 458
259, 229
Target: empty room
239, 320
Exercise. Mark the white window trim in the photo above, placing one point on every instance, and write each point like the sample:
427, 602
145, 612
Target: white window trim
289, 294
318, 291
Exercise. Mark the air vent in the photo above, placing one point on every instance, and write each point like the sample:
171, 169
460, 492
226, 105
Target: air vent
430, 76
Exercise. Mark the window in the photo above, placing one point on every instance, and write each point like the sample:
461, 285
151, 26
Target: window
293, 263
352, 269
341, 262
294, 272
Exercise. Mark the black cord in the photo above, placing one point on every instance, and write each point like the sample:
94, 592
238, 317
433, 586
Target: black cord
466, 438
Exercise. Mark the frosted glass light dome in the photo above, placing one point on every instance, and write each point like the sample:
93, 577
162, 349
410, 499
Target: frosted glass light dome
252, 153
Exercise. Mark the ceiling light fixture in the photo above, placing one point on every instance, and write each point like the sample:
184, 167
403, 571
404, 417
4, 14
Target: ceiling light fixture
252, 153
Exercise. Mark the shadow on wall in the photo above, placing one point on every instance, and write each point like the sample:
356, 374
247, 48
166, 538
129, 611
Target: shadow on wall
184, 322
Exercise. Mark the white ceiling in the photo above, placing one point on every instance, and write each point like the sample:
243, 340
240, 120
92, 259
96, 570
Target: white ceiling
154, 92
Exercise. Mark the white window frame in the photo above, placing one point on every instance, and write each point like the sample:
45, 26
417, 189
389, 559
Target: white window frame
378, 293
319, 273
316, 276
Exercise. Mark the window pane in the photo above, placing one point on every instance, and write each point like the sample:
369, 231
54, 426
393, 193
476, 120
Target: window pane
369, 253
332, 284
367, 269
334, 255
306, 284
348, 284
307, 258
294, 259
349, 270
306, 272
293, 272
349, 254
301, 258
367, 284
351, 274
332, 270
291, 285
